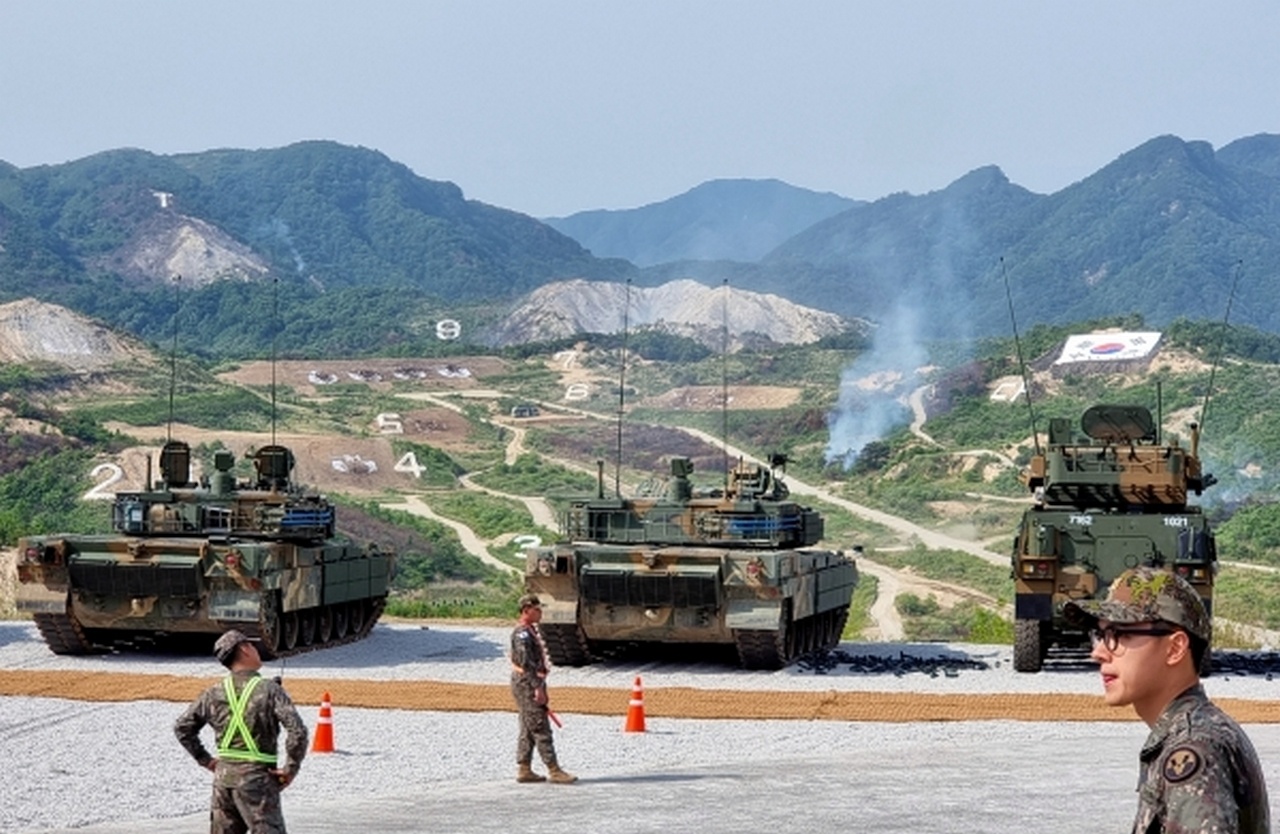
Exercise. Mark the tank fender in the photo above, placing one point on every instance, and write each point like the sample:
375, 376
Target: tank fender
754, 614
805, 595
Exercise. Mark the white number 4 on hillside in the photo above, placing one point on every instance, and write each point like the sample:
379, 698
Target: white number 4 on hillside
409, 463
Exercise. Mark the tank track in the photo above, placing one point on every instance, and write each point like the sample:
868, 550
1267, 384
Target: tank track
566, 644
64, 634
769, 649
376, 608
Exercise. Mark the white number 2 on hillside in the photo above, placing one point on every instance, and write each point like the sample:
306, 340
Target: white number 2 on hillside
99, 493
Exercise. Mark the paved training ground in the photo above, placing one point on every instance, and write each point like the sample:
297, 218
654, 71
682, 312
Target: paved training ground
425, 739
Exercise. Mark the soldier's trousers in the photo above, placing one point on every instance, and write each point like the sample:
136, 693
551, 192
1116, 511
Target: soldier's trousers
535, 727
246, 800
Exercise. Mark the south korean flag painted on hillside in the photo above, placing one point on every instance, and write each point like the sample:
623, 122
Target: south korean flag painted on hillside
1108, 347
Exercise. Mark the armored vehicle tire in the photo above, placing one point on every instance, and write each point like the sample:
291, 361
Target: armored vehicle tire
1028, 645
566, 644
339, 620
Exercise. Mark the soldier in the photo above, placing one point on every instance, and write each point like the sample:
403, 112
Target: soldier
246, 712
529, 686
1198, 770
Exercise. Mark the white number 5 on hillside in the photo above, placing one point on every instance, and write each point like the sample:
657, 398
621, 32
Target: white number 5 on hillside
99, 492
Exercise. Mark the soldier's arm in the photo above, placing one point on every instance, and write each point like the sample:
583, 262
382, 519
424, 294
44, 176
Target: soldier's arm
187, 729
520, 653
295, 742
1204, 800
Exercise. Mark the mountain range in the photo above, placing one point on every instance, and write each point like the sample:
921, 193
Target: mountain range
324, 248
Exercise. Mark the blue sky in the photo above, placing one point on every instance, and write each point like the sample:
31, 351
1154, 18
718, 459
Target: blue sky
554, 107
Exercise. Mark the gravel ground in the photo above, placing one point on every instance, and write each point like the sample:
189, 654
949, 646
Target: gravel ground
115, 768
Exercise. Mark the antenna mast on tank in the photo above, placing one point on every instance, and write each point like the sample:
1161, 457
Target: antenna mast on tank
622, 392
1222, 344
1022, 366
173, 357
275, 328
724, 386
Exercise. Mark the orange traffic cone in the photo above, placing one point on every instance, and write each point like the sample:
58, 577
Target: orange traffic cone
635, 710
323, 741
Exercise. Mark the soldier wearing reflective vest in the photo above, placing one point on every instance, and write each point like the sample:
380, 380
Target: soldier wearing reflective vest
246, 712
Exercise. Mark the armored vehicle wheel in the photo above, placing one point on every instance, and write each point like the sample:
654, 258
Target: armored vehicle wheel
339, 620
324, 624
1028, 645
306, 627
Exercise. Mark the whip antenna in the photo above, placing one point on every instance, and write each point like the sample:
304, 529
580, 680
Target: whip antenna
1022, 366
724, 386
275, 330
1222, 344
622, 392
173, 355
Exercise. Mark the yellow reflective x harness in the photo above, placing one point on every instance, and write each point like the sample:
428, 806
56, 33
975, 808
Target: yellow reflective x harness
237, 726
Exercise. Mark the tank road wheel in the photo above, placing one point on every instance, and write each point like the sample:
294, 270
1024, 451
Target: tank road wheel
324, 625
339, 620
307, 627
1028, 645
289, 630
355, 616
272, 628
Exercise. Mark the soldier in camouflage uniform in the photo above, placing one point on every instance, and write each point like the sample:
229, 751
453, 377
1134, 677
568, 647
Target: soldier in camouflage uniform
246, 712
1198, 770
529, 686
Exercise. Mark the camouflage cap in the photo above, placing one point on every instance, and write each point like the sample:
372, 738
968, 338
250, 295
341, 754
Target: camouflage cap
530, 601
225, 648
1143, 595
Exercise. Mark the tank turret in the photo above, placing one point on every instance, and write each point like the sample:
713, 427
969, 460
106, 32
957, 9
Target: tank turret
1111, 498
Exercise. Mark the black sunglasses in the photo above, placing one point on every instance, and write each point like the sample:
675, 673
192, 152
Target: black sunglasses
1110, 636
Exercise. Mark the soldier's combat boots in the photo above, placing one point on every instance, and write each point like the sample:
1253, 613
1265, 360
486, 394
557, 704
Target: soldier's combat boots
559, 776
526, 774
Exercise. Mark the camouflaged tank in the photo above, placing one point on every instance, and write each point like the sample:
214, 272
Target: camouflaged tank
732, 566
1111, 500
197, 559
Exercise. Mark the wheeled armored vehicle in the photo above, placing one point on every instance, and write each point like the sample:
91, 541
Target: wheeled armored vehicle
1112, 499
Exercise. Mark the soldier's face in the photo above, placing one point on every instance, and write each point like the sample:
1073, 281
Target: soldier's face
533, 614
1132, 672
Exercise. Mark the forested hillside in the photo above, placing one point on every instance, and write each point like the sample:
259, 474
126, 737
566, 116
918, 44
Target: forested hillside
1159, 232
367, 254
323, 249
